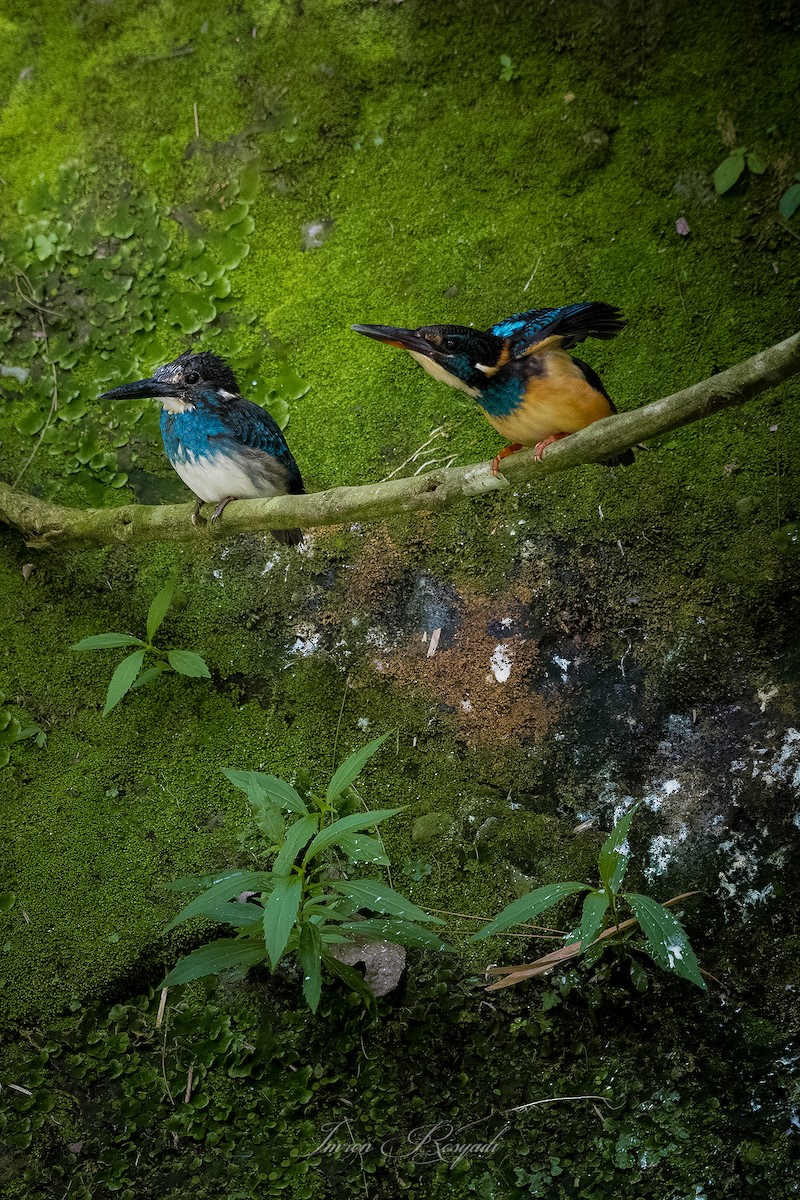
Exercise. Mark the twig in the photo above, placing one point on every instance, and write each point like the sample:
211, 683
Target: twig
54, 395
47, 525
440, 432
196, 121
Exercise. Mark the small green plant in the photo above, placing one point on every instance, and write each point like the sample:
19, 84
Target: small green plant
790, 200
509, 71
12, 730
129, 674
665, 939
304, 903
731, 168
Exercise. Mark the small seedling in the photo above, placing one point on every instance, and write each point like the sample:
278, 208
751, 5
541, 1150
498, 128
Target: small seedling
509, 71
732, 168
304, 903
129, 674
665, 939
12, 730
790, 200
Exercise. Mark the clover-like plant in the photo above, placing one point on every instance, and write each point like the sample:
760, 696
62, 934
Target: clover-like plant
129, 674
306, 902
732, 168
665, 939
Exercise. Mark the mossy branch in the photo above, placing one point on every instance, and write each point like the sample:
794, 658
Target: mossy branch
47, 525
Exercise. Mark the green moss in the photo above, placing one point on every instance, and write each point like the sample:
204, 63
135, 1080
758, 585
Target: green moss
669, 588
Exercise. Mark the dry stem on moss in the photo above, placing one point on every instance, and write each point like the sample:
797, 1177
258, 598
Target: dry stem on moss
48, 526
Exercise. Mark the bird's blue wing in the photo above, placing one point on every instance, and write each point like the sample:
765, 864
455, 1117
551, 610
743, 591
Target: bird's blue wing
573, 323
248, 425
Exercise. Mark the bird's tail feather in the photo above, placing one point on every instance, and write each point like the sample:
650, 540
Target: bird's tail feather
288, 537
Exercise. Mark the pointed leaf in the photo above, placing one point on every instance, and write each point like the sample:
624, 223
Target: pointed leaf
107, 641
359, 847
756, 163
158, 609
280, 914
297, 836
528, 907
256, 783
594, 910
405, 933
375, 895
148, 675
666, 938
309, 953
353, 980
210, 960
728, 172
187, 663
230, 912
614, 855
225, 888
356, 821
122, 679
351, 768
269, 820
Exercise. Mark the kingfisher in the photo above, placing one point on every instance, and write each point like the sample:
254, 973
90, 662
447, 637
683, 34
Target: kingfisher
223, 446
530, 389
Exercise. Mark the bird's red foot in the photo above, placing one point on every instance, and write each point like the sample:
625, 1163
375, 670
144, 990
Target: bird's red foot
504, 453
542, 446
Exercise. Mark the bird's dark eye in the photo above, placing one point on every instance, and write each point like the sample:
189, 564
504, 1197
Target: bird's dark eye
449, 345
192, 377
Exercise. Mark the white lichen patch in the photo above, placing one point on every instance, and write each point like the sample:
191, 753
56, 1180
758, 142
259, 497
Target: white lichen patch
500, 663
306, 642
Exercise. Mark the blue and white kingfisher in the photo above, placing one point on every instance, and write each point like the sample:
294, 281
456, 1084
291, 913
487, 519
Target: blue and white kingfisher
223, 447
519, 371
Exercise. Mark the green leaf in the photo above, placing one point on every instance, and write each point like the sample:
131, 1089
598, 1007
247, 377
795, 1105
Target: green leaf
359, 847
375, 895
268, 819
528, 907
256, 783
666, 938
297, 837
147, 676
280, 914
210, 960
107, 641
728, 172
158, 609
123, 679
309, 953
594, 910
755, 163
224, 888
405, 933
356, 821
353, 980
351, 768
790, 201
185, 662
230, 912
614, 855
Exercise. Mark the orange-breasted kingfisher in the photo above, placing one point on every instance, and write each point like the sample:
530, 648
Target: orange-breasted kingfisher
531, 390
223, 446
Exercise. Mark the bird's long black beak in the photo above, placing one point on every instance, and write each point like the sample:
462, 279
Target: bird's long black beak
143, 389
404, 339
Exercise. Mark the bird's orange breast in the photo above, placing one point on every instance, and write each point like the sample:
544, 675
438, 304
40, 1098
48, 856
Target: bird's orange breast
558, 401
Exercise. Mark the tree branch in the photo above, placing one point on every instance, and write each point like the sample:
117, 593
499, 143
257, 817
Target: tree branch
47, 525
